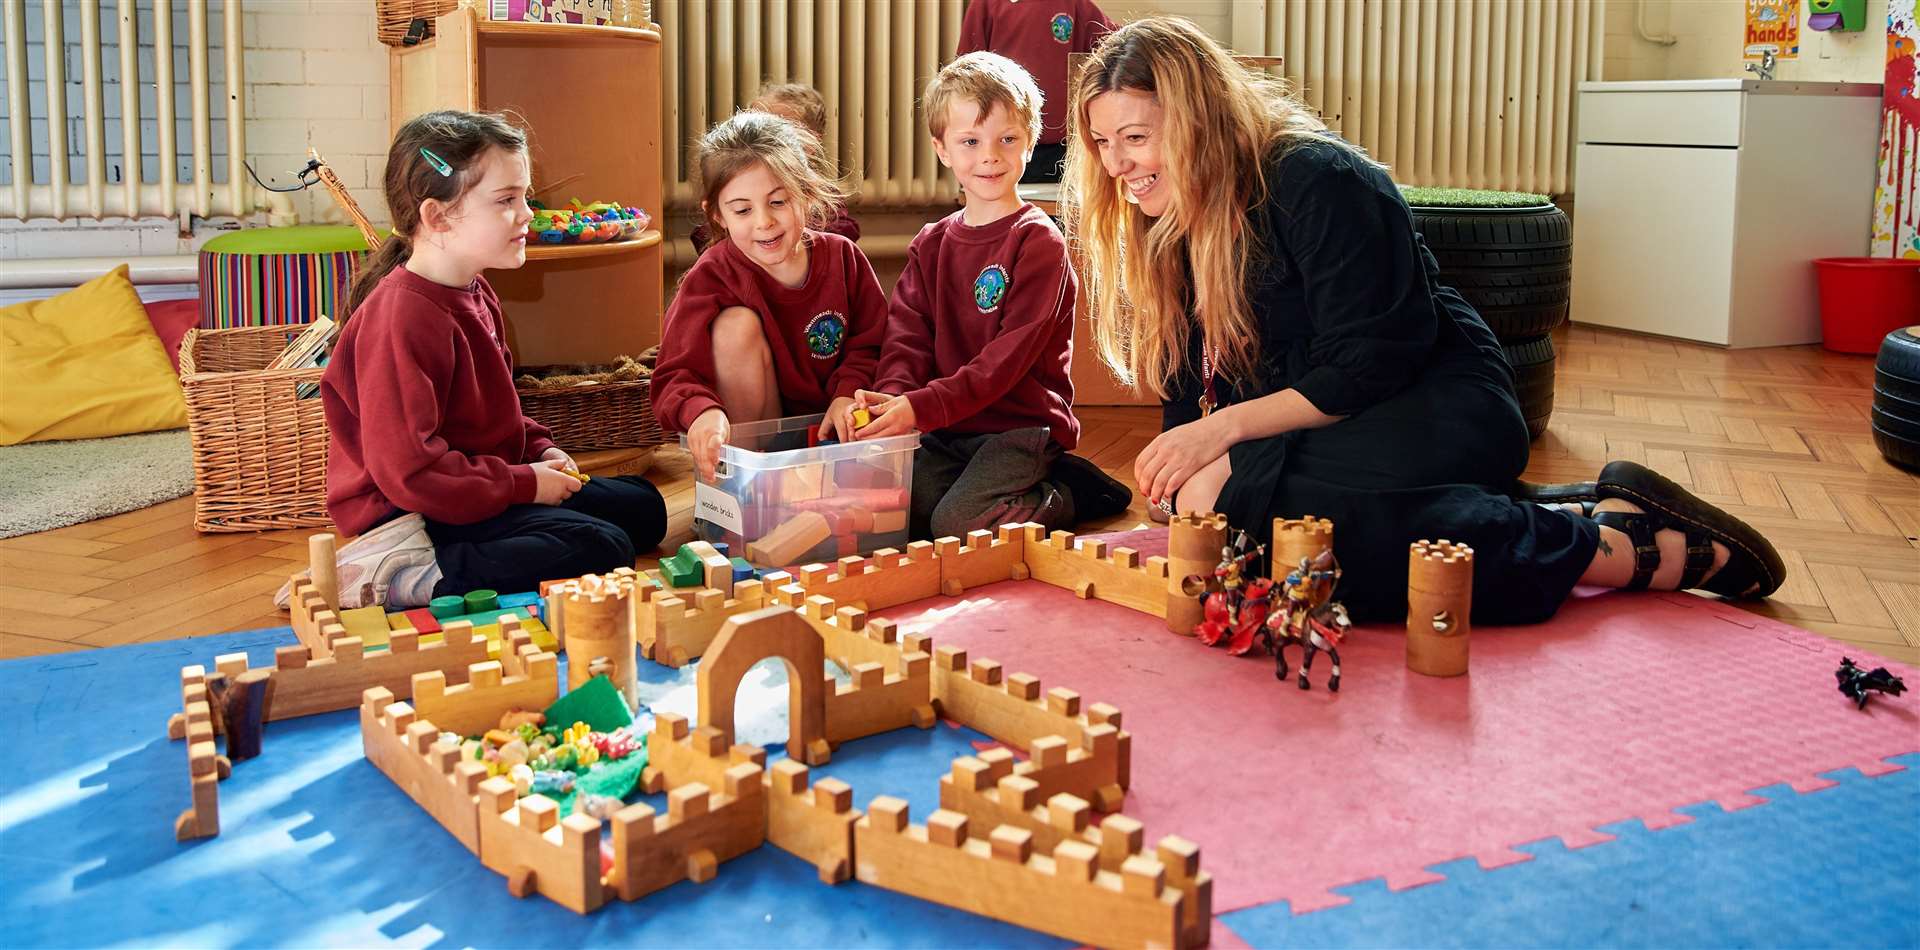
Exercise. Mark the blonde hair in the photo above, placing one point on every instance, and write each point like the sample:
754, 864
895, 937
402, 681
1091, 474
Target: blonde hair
800, 99
985, 79
792, 154
1223, 123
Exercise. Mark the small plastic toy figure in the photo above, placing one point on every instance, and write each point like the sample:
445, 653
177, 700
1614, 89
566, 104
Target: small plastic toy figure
1235, 623
1229, 592
1311, 619
1857, 683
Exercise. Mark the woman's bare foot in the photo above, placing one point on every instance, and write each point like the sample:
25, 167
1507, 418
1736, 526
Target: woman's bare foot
1613, 563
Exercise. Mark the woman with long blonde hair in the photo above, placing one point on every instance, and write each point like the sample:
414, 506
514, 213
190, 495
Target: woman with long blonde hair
1263, 278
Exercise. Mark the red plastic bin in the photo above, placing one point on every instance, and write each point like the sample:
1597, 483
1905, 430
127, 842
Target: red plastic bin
1862, 299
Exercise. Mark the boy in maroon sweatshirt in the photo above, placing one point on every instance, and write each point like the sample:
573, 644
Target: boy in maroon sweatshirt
980, 328
1039, 35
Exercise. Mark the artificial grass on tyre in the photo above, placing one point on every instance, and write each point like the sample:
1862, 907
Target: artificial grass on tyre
1419, 197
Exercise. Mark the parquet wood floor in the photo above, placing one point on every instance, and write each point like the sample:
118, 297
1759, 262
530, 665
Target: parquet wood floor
1777, 436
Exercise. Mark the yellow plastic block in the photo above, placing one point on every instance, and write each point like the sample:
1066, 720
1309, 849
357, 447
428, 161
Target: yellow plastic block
367, 623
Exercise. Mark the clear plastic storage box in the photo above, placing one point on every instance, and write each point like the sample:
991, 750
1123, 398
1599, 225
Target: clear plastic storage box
778, 501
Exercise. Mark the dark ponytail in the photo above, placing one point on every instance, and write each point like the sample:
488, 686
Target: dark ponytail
456, 140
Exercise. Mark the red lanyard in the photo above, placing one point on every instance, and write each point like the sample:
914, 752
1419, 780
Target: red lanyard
1207, 402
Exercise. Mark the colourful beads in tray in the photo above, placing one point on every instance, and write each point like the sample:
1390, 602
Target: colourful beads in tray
586, 224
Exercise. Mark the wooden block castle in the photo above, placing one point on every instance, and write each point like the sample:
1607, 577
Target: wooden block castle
1012, 840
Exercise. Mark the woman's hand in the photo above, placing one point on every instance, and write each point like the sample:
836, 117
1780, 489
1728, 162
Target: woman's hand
892, 415
708, 433
555, 454
1176, 454
839, 419
552, 483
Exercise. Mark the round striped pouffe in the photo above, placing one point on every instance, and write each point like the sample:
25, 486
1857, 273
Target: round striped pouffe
269, 276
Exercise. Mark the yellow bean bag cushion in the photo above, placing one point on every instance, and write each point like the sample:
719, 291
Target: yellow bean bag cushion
83, 365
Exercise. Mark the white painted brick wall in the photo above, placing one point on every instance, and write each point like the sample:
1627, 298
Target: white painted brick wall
316, 75
337, 102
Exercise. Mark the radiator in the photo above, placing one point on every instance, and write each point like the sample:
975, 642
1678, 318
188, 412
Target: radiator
1461, 93
868, 58
130, 197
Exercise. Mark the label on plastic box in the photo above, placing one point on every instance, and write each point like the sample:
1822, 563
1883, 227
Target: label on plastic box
716, 507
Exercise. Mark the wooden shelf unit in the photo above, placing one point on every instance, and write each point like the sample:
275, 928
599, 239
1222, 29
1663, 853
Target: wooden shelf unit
570, 303
537, 251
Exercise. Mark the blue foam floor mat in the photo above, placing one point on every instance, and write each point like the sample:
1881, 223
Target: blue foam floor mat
319, 849
1834, 867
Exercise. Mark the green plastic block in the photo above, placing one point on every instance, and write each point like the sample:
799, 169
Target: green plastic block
595, 702
488, 617
684, 568
446, 608
481, 601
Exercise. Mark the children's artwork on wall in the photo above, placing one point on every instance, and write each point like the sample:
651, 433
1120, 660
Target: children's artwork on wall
1773, 26
1896, 223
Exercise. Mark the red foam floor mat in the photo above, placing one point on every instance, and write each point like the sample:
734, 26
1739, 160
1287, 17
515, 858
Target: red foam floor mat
1624, 706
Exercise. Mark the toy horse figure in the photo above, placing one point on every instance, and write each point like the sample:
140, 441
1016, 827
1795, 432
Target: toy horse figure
1322, 628
1236, 622
1311, 618
1235, 604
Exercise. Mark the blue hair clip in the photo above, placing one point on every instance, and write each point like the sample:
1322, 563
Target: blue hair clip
439, 164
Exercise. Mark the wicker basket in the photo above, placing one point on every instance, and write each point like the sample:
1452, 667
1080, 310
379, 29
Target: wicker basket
394, 16
259, 453
592, 418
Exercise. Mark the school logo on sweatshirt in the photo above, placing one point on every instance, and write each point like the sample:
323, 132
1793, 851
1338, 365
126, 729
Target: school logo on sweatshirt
1062, 27
825, 332
990, 288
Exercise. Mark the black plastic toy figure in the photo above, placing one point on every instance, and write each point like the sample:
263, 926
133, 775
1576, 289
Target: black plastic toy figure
1857, 683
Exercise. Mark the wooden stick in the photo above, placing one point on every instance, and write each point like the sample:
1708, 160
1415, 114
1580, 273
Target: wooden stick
323, 569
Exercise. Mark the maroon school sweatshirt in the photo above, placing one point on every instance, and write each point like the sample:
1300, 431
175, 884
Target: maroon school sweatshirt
1037, 34
422, 411
825, 334
980, 330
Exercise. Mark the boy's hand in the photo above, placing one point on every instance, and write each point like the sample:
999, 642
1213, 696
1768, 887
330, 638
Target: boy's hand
892, 415
708, 433
552, 483
839, 419
555, 454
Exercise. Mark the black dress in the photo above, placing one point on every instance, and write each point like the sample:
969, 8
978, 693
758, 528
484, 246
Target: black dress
1352, 315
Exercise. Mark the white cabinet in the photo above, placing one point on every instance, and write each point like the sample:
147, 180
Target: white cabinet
1699, 205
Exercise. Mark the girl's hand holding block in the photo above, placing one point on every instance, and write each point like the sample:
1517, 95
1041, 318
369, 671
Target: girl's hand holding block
552, 482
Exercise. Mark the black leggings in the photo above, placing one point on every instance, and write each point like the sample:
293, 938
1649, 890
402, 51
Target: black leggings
600, 528
1432, 462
